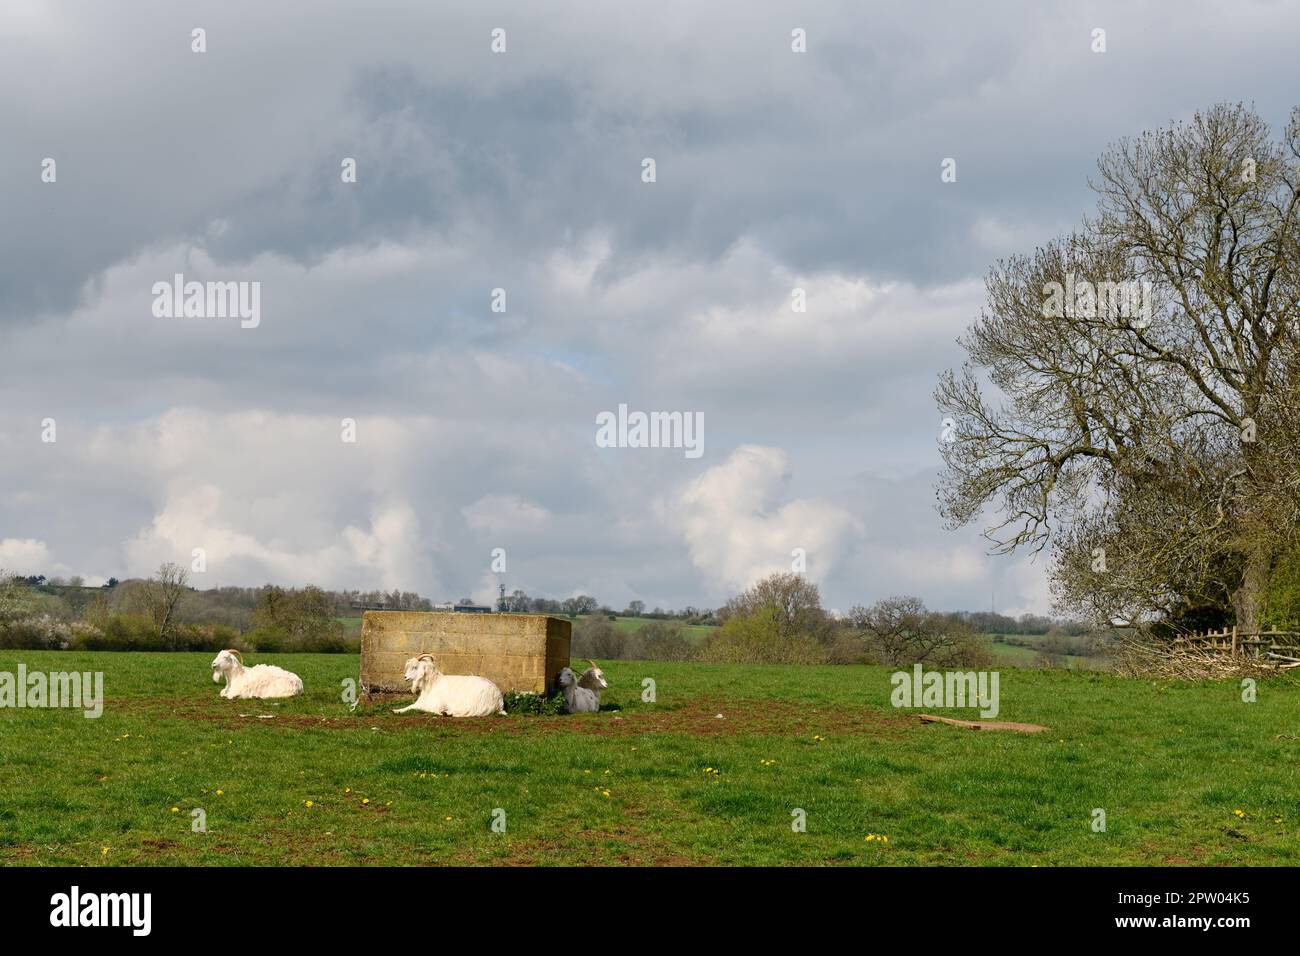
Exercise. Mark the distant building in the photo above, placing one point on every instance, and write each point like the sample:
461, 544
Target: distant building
463, 606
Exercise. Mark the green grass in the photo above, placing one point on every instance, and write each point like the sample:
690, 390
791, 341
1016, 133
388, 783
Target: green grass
1015, 655
692, 632
1170, 765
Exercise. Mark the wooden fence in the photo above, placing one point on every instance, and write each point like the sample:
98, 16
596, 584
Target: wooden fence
1282, 647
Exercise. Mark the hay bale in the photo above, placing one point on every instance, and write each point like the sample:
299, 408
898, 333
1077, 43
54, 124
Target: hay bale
520, 652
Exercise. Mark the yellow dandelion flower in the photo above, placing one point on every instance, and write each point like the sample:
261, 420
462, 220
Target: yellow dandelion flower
365, 800
103, 851
308, 803
176, 809
221, 793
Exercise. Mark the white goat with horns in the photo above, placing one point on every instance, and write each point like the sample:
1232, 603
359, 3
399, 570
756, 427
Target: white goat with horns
453, 695
593, 678
262, 680
577, 698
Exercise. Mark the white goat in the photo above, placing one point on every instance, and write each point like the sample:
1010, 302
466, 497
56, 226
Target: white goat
263, 680
593, 678
452, 695
577, 699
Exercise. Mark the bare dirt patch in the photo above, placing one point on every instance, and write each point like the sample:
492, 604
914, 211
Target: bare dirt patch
754, 717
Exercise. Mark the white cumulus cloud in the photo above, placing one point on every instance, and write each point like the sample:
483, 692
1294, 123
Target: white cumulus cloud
740, 523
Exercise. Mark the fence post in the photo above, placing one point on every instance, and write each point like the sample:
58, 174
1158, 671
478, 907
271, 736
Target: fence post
1234, 640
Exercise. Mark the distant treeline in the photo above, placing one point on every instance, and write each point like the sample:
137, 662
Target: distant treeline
987, 622
518, 602
165, 613
780, 620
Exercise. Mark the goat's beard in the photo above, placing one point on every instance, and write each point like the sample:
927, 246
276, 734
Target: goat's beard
216, 677
421, 680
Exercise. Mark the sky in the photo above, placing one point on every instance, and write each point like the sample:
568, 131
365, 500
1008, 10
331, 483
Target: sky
472, 413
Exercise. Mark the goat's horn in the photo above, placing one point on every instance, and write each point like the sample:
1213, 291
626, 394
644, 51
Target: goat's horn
591, 662
425, 657
236, 653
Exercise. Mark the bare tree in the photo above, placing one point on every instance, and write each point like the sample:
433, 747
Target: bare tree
161, 596
900, 630
1141, 416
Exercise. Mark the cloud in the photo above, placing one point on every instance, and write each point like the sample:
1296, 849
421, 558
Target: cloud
522, 172
24, 556
493, 514
740, 523
389, 548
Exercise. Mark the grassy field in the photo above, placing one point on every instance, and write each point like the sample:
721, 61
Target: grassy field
692, 632
1014, 655
1186, 774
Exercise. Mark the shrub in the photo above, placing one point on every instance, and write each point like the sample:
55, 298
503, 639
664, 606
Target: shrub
296, 620
597, 637
794, 604
1282, 599
663, 641
137, 632
122, 632
43, 633
538, 705
847, 647
759, 638
778, 620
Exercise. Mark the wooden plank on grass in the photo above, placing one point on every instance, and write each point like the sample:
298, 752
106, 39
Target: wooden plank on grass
984, 724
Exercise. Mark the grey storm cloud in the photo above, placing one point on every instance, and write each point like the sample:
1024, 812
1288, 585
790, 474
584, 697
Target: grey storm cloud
522, 171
